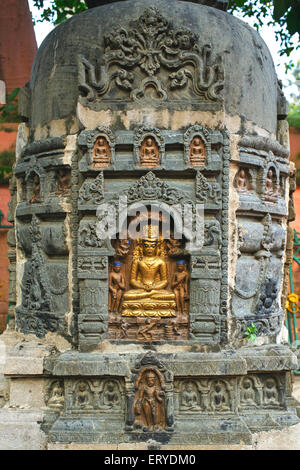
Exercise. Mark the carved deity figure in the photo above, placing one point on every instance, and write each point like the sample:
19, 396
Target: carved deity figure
189, 398
149, 153
180, 286
116, 282
174, 246
219, 398
123, 247
268, 295
63, 182
57, 398
149, 407
83, 396
197, 152
242, 182
111, 397
248, 393
149, 297
270, 392
145, 330
123, 329
101, 153
270, 191
36, 190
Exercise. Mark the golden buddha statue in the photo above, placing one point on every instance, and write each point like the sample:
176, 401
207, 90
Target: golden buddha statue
149, 298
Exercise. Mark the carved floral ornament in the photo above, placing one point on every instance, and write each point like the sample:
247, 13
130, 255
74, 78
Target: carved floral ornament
151, 53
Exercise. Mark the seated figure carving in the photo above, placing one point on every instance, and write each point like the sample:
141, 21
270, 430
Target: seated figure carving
149, 297
149, 153
101, 153
197, 152
270, 192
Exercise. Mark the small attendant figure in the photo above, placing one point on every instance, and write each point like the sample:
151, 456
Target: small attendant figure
180, 286
116, 287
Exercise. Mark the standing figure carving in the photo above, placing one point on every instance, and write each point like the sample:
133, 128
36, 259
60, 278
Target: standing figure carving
149, 403
116, 287
180, 286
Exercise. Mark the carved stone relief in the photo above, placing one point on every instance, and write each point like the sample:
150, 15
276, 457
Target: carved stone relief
149, 405
205, 395
105, 395
44, 288
100, 147
55, 395
92, 191
197, 146
132, 64
63, 179
149, 147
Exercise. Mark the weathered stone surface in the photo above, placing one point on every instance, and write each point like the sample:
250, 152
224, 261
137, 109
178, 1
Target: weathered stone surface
147, 105
215, 26
20, 430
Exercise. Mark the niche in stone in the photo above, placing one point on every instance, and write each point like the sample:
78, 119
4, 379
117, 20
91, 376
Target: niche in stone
149, 282
101, 156
149, 153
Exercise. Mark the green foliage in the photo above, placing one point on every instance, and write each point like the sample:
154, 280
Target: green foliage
9, 112
250, 332
285, 18
60, 10
7, 158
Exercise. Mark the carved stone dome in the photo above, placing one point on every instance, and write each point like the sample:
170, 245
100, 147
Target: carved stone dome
250, 86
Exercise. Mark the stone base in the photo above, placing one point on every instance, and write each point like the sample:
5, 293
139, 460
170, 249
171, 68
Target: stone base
55, 397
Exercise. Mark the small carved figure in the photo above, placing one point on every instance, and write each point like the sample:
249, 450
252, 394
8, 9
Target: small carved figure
101, 153
56, 399
268, 295
63, 182
36, 190
270, 192
111, 397
149, 408
145, 331
242, 182
171, 329
270, 392
189, 398
123, 247
116, 287
248, 393
123, 329
149, 153
197, 152
174, 246
82, 397
180, 286
219, 398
